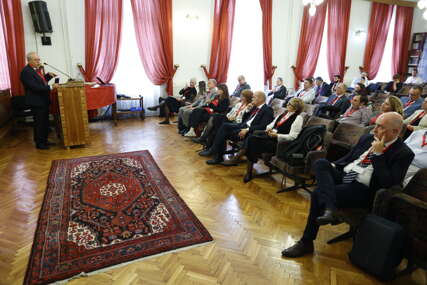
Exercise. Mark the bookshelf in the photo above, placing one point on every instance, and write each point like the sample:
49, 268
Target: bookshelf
416, 51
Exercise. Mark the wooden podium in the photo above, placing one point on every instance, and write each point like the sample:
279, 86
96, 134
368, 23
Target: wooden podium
73, 114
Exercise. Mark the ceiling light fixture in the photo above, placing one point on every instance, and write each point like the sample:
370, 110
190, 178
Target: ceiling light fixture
313, 4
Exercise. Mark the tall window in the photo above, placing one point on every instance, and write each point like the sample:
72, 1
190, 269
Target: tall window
130, 77
246, 51
4, 69
385, 72
322, 62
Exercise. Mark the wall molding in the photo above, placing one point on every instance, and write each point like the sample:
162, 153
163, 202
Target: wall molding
396, 2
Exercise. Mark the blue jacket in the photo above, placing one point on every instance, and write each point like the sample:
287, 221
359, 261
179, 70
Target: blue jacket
407, 111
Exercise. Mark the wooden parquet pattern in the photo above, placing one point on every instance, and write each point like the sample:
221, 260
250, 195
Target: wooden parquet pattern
250, 223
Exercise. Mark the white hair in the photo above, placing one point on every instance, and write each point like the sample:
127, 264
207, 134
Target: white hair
30, 55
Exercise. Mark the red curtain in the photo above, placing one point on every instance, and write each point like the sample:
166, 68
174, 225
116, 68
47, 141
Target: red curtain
13, 29
153, 28
221, 40
338, 23
103, 29
267, 10
309, 43
377, 35
402, 38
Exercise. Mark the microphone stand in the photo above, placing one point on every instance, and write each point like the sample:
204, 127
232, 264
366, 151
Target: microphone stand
69, 77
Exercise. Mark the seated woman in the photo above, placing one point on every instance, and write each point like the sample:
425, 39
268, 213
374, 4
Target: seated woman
218, 105
391, 104
201, 99
172, 104
417, 121
358, 113
395, 85
286, 127
234, 116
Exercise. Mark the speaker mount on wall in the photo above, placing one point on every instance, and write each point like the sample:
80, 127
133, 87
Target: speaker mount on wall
41, 20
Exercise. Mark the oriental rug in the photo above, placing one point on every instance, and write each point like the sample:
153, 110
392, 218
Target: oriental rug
105, 210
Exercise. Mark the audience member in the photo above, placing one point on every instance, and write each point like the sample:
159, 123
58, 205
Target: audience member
377, 161
363, 78
172, 103
391, 104
234, 116
359, 89
414, 78
241, 86
417, 142
395, 85
278, 92
257, 119
218, 105
286, 127
412, 102
306, 93
417, 121
334, 84
358, 113
322, 91
185, 112
336, 105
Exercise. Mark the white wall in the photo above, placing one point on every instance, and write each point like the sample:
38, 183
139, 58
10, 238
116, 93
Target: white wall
192, 38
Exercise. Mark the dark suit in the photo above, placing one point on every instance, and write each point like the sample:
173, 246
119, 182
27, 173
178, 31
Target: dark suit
335, 110
37, 93
323, 90
231, 130
278, 94
389, 169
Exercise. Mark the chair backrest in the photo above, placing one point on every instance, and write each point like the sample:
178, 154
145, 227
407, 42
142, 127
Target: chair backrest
309, 109
417, 187
315, 121
349, 133
404, 91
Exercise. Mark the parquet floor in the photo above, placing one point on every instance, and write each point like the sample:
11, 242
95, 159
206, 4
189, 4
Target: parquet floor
250, 223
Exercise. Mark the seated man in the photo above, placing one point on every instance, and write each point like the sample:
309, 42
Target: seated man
395, 85
413, 102
257, 119
363, 78
336, 105
417, 142
306, 93
414, 78
322, 90
376, 161
278, 92
417, 121
358, 113
241, 86
334, 84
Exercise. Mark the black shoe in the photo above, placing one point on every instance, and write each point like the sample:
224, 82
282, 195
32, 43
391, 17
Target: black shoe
327, 218
164, 122
152, 108
198, 140
42, 146
206, 152
214, 161
301, 248
247, 178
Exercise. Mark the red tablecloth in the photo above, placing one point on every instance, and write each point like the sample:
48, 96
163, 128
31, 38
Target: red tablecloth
96, 97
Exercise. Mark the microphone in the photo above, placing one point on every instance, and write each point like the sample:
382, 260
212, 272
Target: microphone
69, 77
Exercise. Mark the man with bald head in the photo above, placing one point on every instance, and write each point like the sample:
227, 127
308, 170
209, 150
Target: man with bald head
376, 161
259, 116
37, 96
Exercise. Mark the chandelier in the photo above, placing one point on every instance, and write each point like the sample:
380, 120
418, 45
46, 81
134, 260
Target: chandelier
314, 3
422, 4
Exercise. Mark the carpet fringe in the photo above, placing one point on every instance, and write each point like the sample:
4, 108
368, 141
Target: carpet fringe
84, 274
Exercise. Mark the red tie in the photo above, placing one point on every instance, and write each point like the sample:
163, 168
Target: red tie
41, 75
418, 117
335, 100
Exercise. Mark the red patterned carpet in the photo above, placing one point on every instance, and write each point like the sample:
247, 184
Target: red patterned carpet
104, 210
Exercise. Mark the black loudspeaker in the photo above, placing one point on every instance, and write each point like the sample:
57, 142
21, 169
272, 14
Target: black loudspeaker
40, 15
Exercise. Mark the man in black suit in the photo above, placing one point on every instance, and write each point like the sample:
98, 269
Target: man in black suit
37, 93
256, 119
376, 161
336, 104
322, 89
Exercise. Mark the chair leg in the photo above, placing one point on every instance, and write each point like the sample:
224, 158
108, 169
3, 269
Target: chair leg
299, 184
351, 232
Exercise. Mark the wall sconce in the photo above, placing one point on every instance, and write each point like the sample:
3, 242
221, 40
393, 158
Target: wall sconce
192, 17
360, 34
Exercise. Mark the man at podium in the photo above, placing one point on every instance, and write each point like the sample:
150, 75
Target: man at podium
37, 96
